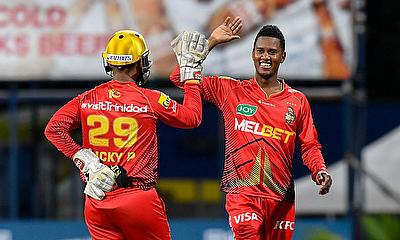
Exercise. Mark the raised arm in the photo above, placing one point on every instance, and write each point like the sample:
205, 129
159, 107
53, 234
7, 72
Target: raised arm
226, 32
169, 111
191, 58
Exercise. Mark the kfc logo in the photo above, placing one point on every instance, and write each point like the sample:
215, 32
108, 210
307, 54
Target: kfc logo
284, 225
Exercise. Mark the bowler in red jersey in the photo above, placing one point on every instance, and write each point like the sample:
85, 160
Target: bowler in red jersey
264, 118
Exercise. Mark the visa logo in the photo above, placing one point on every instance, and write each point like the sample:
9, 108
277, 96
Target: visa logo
244, 217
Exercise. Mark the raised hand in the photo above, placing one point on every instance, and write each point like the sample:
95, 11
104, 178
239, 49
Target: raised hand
225, 32
191, 49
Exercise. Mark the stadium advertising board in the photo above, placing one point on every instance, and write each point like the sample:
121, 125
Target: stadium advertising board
61, 40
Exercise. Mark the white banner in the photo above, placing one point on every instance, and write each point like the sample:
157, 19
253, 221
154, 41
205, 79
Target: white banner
61, 40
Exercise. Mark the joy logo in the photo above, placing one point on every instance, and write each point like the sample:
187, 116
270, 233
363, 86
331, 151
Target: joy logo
246, 110
284, 225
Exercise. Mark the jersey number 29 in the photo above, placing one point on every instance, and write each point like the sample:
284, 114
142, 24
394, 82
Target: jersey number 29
124, 129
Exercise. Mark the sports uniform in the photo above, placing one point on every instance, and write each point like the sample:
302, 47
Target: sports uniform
260, 137
118, 121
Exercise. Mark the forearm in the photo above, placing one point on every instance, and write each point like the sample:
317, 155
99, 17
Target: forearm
175, 77
99, 177
212, 42
58, 134
189, 114
61, 124
313, 159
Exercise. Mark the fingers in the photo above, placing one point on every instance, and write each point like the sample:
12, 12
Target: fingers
104, 186
194, 39
103, 182
176, 40
185, 41
226, 22
321, 175
319, 179
325, 183
107, 181
324, 189
94, 192
202, 46
236, 25
103, 179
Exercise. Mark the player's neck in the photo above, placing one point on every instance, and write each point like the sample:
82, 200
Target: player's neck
122, 77
270, 85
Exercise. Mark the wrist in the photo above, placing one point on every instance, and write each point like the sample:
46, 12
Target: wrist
323, 171
191, 73
212, 42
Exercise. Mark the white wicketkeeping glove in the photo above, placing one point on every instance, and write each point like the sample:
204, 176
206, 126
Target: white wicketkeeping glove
101, 178
191, 49
93, 191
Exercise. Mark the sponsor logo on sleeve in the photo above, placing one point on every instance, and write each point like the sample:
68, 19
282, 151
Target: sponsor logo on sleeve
164, 100
246, 109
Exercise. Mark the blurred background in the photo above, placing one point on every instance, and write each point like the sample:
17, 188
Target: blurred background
342, 54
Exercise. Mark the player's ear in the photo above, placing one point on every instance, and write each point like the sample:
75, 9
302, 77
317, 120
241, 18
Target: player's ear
283, 57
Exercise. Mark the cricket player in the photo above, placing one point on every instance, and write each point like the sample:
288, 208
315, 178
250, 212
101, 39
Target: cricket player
118, 156
264, 117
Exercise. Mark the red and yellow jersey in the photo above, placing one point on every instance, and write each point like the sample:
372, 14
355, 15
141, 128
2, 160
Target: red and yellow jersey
118, 121
261, 134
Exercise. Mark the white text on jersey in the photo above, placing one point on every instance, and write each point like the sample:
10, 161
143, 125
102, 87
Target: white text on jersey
115, 107
284, 225
263, 130
244, 217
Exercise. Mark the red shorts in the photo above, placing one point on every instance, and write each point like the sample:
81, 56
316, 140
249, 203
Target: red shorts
256, 218
134, 214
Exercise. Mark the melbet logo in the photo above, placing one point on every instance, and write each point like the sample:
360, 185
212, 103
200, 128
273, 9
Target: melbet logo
246, 110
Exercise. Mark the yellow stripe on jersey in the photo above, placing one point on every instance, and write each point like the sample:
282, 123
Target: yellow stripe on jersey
164, 100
